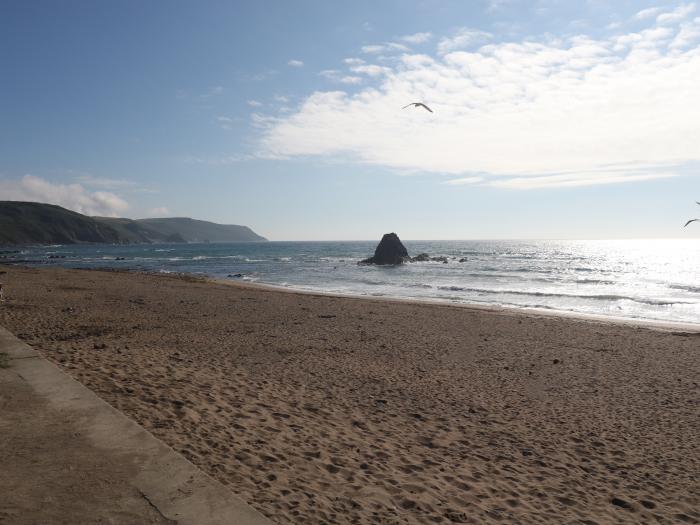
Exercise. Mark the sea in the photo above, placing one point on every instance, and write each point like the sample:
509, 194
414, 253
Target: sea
655, 280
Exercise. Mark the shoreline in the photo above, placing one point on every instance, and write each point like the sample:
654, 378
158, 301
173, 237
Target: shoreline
656, 324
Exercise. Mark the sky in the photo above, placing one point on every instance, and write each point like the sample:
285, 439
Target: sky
551, 118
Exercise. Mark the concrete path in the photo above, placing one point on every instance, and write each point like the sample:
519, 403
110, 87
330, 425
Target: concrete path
68, 457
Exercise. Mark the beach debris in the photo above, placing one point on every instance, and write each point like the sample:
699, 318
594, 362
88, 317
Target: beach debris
389, 251
99, 346
326, 316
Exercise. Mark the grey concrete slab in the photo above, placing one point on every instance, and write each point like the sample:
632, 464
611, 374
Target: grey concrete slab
155, 473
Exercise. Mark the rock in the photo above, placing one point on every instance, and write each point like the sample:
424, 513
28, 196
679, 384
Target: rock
388, 251
463, 259
441, 259
421, 257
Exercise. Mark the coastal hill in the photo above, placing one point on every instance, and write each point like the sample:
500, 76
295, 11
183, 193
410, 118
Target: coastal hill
39, 223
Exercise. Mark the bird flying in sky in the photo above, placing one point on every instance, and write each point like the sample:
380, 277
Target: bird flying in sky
692, 220
417, 105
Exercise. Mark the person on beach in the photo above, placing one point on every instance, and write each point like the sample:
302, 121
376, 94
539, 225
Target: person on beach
2, 294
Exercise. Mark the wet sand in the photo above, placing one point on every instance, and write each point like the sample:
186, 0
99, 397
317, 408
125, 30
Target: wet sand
320, 409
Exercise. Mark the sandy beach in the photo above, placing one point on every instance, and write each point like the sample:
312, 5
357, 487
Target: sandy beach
319, 409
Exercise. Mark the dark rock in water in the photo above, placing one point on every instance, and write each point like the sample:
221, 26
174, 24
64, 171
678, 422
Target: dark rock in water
424, 257
389, 251
235, 275
463, 259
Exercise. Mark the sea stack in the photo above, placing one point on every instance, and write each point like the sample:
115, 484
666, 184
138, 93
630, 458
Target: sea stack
388, 251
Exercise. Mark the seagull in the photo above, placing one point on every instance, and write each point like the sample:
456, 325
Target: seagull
417, 105
692, 220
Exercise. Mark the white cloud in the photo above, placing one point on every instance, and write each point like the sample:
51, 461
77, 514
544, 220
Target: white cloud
495, 5
160, 211
577, 179
463, 38
647, 13
337, 76
71, 196
389, 47
295, 63
677, 15
688, 35
416, 38
213, 92
464, 180
106, 183
254, 103
225, 122
353, 61
554, 112
371, 70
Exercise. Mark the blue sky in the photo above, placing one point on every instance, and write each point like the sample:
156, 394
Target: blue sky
552, 118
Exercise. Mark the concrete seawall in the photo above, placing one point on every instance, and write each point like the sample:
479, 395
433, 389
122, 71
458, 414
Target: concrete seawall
66, 456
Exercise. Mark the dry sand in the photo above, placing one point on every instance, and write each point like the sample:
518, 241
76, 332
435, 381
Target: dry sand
319, 409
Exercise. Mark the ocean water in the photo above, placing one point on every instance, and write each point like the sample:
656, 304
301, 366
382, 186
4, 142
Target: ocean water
637, 279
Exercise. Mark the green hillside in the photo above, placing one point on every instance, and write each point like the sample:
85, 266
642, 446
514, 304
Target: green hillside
37, 223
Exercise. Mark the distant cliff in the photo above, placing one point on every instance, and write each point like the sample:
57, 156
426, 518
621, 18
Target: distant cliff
37, 223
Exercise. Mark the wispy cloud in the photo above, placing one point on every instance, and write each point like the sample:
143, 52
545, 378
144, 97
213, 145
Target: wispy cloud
464, 180
577, 179
353, 61
417, 38
71, 196
554, 111
337, 76
650, 12
213, 92
370, 69
105, 183
463, 38
254, 103
295, 63
225, 122
389, 47
496, 5
160, 211
673, 17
